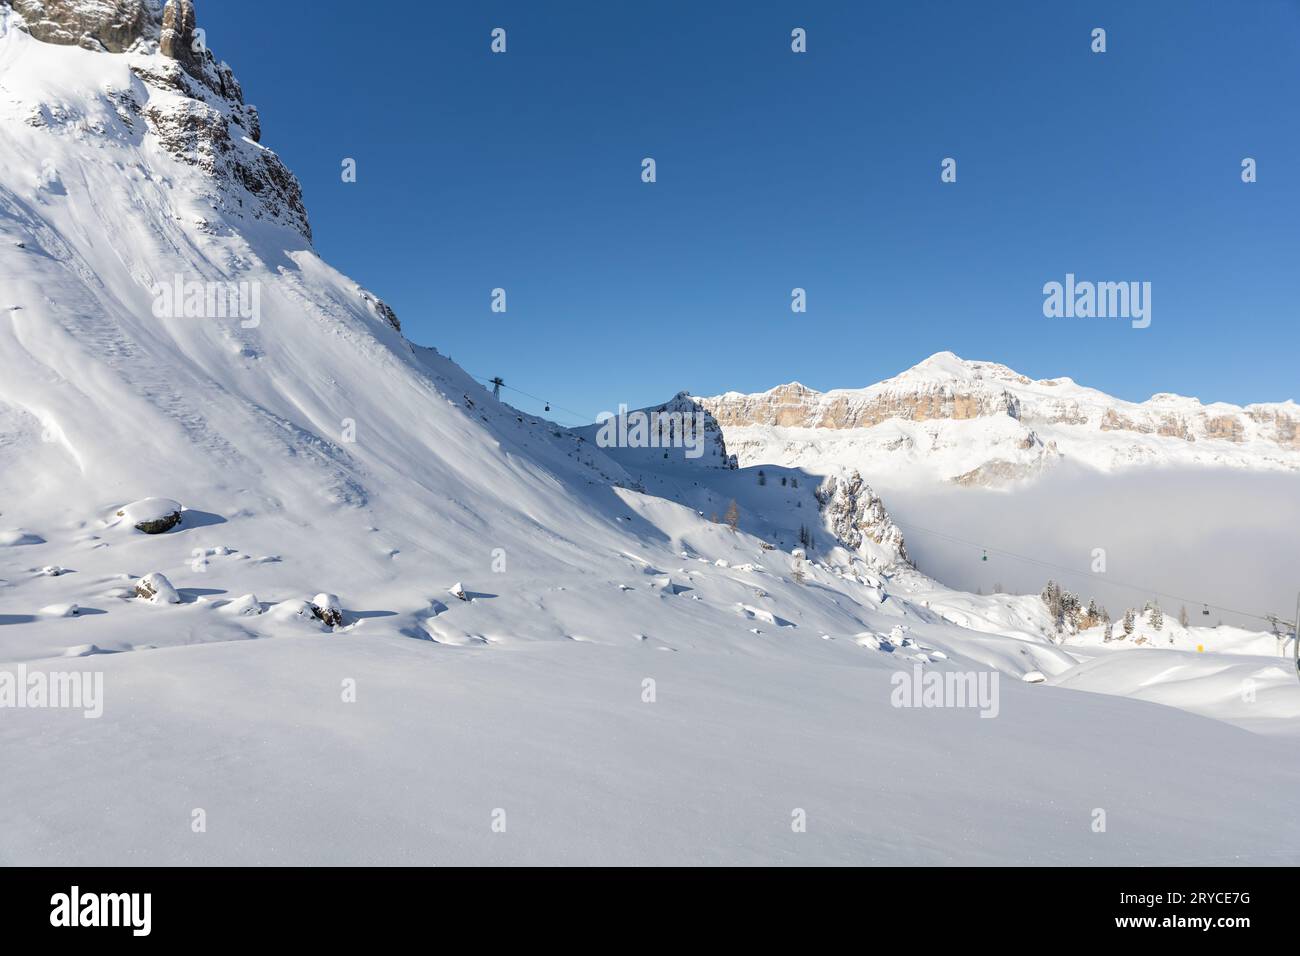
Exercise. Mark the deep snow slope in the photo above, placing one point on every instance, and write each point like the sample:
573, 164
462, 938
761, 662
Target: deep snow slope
981, 423
528, 624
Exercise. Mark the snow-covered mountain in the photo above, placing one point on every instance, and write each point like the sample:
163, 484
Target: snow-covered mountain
981, 423
355, 610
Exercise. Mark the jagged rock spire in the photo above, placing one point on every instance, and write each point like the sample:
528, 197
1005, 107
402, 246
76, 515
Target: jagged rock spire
177, 36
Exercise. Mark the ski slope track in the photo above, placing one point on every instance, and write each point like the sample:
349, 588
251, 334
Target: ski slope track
527, 623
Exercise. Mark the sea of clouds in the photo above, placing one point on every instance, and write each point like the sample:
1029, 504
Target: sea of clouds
1213, 536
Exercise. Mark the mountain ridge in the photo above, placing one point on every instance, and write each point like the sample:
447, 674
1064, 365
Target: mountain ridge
1010, 426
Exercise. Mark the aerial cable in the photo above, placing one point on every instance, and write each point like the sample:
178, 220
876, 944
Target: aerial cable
1089, 574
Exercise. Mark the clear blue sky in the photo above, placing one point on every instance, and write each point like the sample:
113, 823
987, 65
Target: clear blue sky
779, 170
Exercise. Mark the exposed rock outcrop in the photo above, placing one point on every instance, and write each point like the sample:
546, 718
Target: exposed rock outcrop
855, 515
326, 609
111, 26
1285, 428
195, 108
715, 446
176, 39
380, 308
797, 406
996, 472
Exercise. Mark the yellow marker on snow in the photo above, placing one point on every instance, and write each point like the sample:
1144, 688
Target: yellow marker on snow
1200, 648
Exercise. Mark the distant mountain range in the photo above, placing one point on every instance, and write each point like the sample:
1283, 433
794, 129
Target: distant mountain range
981, 423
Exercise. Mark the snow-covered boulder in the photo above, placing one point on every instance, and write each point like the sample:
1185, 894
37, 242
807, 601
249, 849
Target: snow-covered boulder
14, 537
246, 605
294, 610
156, 589
60, 610
667, 585
83, 650
326, 607
151, 515
457, 591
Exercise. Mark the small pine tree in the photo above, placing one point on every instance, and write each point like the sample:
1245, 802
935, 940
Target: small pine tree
798, 573
1156, 617
1069, 618
762, 478
1109, 632
1130, 622
732, 517
1053, 598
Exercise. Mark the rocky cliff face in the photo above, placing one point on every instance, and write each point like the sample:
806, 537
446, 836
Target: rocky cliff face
856, 516
797, 406
189, 101
110, 26
715, 453
980, 423
946, 387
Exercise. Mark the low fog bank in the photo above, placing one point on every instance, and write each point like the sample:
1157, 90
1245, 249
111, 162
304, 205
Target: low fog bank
1216, 536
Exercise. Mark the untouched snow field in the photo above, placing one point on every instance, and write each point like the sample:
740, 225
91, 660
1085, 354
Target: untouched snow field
556, 735
546, 653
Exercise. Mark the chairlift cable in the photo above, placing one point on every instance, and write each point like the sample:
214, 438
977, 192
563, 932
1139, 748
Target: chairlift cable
907, 526
579, 415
